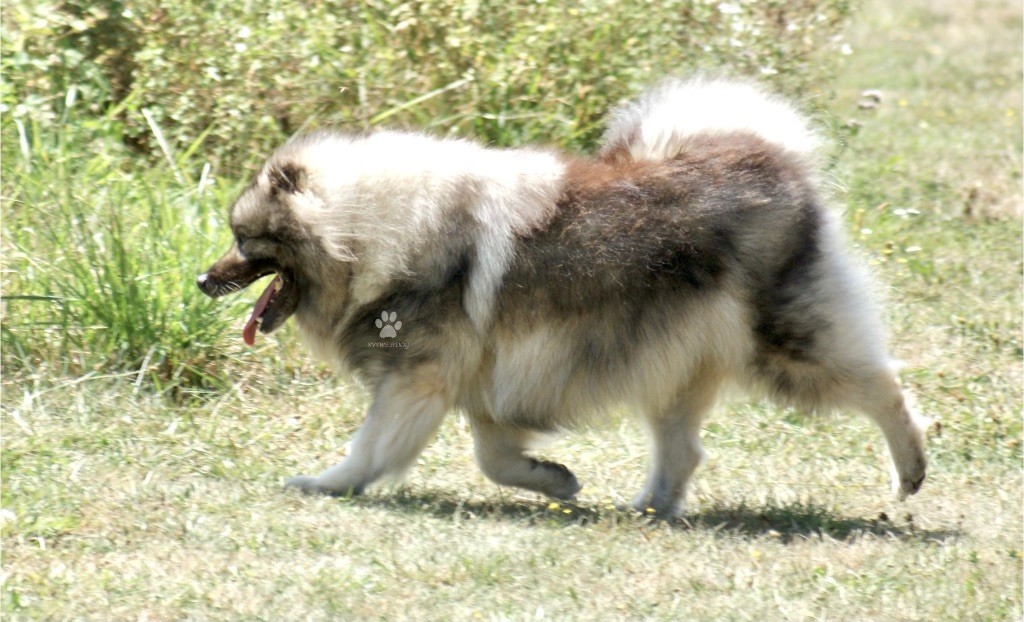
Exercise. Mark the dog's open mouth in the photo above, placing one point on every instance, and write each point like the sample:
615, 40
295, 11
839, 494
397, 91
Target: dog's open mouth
274, 306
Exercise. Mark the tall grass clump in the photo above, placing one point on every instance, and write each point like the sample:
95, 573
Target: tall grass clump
100, 257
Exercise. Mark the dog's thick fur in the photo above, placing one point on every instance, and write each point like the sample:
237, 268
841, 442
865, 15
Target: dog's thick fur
536, 288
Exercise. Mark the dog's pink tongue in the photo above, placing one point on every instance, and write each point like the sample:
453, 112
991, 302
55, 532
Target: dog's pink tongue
249, 332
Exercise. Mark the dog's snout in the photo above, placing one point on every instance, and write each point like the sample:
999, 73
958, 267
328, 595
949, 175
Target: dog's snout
202, 282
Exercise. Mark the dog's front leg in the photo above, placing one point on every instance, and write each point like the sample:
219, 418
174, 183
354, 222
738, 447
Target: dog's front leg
500, 453
406, 412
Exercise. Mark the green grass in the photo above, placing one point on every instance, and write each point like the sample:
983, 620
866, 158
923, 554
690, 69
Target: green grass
99, 260
503, 72
123, 501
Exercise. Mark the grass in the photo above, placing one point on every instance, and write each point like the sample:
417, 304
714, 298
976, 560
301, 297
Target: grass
240, 74
75, 281
123, 502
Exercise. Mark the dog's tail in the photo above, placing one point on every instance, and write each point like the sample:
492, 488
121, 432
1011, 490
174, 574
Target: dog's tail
658, 125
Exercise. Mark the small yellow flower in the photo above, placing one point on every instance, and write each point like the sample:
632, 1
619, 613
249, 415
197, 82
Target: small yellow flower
553, 506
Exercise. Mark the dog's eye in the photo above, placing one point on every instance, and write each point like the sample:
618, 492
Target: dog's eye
240, 240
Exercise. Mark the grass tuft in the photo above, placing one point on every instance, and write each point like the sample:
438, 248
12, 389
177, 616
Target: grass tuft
100, 260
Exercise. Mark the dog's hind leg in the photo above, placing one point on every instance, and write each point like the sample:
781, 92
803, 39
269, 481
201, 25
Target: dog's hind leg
500, 454
406, 413
867, 384
882, 399
676, 450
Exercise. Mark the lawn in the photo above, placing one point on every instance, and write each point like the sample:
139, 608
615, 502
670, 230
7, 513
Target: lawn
121, 501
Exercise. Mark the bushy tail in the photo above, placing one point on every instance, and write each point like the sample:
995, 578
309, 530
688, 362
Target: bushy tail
657, 125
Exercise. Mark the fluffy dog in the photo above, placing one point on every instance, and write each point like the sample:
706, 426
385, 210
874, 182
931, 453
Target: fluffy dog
531, 289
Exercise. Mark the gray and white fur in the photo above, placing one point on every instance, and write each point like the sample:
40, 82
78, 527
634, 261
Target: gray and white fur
538, 289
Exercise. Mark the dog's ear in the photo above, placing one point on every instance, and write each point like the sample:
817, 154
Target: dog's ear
288, 177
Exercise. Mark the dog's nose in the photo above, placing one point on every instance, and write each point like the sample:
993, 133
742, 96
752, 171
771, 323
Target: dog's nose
201, 281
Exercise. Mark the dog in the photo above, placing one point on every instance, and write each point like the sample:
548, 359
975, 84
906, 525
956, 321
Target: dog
532, 289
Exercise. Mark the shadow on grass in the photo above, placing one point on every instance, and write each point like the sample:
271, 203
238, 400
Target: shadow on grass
798, 521
786, 522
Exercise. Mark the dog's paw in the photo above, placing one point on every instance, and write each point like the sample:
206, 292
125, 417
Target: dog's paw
656, 506
314, 486
908, 481
561, 482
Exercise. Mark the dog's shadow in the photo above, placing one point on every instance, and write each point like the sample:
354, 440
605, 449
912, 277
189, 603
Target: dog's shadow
784, 522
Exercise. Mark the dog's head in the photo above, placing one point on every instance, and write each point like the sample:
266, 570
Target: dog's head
335, 217
269, 239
